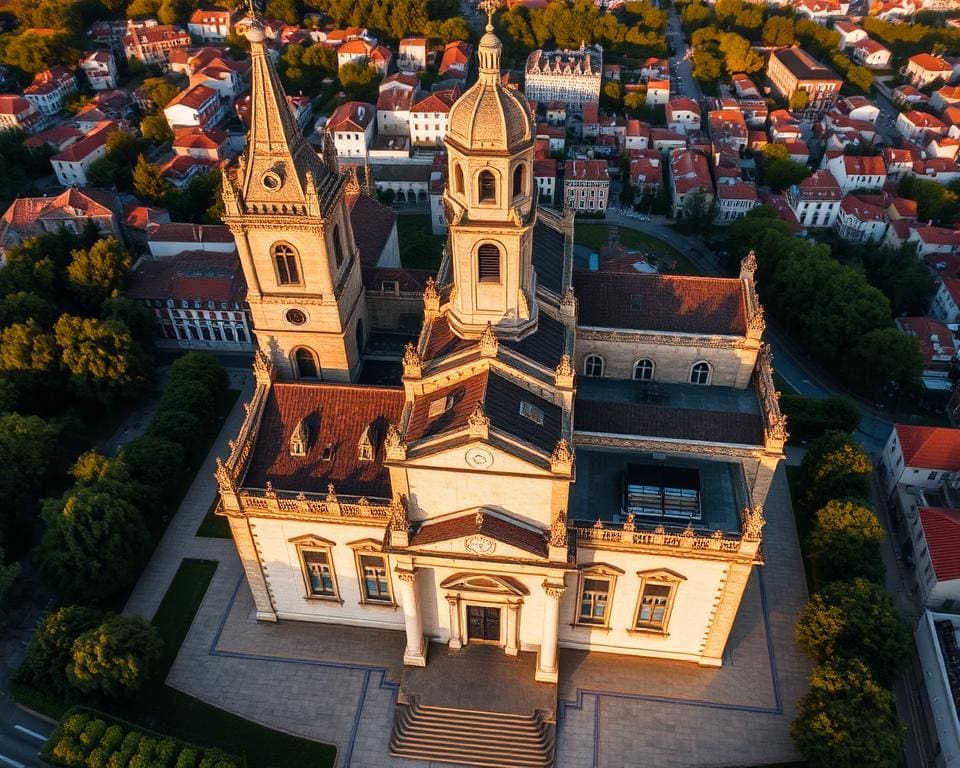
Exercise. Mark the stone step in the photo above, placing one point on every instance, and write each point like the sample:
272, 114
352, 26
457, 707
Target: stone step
472, 737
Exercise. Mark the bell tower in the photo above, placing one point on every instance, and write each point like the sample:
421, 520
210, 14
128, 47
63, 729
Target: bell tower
286, 209
491, 203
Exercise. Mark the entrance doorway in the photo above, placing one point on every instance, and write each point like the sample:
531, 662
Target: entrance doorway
483, 624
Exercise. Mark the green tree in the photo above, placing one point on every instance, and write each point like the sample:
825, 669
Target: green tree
155, 461
847, 720
799, 100
174, 11
738, 56
8, 573
782, 174
148, 184
695, 15
810, 417
935, 202
707, 66
143, 9
903, 278
44, 666
201, 367
103, 172
835, 467
93, 545
99, 271
116, 658
357, 76
26, 347
160, 91
140, 320
886, 355
101, 357
855, 620
21, 306
778, 30
34, 51
860, 77
287, 11
845, 543
155, 128
27, 445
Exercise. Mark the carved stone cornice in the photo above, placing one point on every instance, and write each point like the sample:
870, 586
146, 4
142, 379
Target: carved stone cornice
283, 505
554, 591
663, 446
311, 301
478, 423
716, 342
752, 522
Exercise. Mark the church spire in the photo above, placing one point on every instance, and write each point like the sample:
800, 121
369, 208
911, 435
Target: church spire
278, 159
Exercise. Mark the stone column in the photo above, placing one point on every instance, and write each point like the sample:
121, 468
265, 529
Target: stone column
415, 654
250, 559
724, 614
455, 642
547, 657
513, 629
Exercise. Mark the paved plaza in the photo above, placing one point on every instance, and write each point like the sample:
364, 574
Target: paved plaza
339, 684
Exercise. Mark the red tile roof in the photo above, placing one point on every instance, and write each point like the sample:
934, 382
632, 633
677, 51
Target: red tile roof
438, 101
89, 144
586, 170
930, 63
941, 529
491, 525
194, 97
934, 338
353, 116
700, 305
929, 447
336, 415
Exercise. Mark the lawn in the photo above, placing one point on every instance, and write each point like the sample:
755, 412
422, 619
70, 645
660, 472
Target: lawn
214, 526
166, 710
598, 235
419, 247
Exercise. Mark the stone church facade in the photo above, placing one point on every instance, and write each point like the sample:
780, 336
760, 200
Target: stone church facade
571, 459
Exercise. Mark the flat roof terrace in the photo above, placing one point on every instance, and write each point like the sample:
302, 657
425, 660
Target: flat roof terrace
598, 493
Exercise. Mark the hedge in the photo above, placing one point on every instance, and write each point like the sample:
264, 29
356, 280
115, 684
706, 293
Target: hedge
810, 417
85, 739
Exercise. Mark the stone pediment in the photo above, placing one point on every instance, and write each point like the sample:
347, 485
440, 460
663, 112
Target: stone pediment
479, 533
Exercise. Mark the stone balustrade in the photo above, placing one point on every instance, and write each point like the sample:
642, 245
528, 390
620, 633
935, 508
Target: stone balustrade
629, 537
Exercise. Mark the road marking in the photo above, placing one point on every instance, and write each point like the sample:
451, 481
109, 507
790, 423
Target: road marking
14, 763
27, 731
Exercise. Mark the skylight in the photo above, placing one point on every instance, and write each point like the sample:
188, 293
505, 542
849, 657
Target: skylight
439, 406
531, 412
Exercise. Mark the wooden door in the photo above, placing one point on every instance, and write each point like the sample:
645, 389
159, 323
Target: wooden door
483, 624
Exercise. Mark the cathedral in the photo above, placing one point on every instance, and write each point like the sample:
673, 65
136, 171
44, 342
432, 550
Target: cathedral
571, 459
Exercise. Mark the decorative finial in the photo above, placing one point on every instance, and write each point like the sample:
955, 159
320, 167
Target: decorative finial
478, 519
478, 422
489, 7
489, 344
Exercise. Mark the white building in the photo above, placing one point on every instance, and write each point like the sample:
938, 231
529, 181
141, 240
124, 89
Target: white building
412, 56
570, 76
100, 69
857, 171
916, 125
197, 107
429, 116
815, 201
938, 646
210, 26
353, 126
689, 175
19, 113
924, 68
50, 88
71, 164
393, 112
683, 115
860, 222
586, 185
545, 176
735, 200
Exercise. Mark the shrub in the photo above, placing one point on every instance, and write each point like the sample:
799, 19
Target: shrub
809, 417
191, 397
845, 543
92, 734
855, 620
199, 366
45, 665
179, 427
847, 720
116, 658
155, 461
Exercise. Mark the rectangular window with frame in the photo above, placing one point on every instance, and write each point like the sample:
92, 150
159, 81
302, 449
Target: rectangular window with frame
595, 593
318, 572
653, 611
375, 579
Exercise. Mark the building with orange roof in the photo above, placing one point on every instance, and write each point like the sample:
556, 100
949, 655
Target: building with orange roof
924, 68
683, 115
353, 126
71, 164
646, 171
19, 113
211, 25
816, 200
735, 199
197, 107
689, 174
793, 69
860, 221
857, 171
412, 54
871, 54
152, 45
100, 69
456, 60
917, 124
50, 88
429, 116
919, 457
945, 96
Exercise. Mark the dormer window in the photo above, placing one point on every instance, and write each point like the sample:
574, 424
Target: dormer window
300, 439
531, 412
327, 454
439, 407
365, 446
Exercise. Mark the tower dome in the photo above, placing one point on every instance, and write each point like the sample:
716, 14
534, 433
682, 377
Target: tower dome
489, 116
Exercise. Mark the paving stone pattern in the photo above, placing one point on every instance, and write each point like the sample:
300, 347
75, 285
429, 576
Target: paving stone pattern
339, 684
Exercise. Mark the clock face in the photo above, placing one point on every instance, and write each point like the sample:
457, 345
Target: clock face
480, 458
296, 317
479, 545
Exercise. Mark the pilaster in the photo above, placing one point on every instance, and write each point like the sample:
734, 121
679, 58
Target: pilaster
724, 614
547, 667
415, 653
250, 559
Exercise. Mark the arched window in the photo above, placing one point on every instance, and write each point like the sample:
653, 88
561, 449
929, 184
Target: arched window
488, 263
700, 373
593, 365
337, 246
306, 364
359, 336
518, 180
287, 264
643, 370
458, 179
488, 187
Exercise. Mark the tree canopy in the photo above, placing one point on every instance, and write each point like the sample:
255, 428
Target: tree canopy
845, 543
101, 357
835, 467
115, 658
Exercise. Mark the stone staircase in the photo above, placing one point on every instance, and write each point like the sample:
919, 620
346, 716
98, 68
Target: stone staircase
472, 737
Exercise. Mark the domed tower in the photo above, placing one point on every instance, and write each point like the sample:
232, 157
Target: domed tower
491, 203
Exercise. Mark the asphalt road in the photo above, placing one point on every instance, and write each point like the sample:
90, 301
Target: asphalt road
681, 68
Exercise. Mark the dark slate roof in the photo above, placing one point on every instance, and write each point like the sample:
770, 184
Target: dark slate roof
495, 527
336, 415
548, 257
443, 341
644, 302
501, 401
544, 346
410, 280
372, 224
659, 421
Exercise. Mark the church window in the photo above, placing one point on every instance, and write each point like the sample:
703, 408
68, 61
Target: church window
374, 578
531, 412
595, 593
458, 179
593, 365
518, 180
288, 268
318, 571
305, 363
487, 187
658, 590
700, 373
337, 246
488, 263
643, 370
